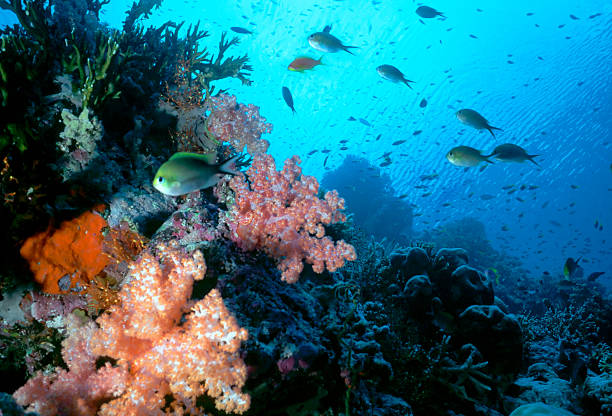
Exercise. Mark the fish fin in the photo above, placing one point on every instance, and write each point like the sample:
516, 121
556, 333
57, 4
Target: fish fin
321, 60
346, 48
406, 81
229, 166
327, 28
491, 128
209, 158
530, 157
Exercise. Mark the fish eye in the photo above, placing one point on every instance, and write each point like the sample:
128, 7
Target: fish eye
450, 153
160, 179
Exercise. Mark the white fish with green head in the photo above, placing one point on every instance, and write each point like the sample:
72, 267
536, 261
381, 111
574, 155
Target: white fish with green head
391, 73
466, 156
509, 152
188, 172
326, 42
474, 119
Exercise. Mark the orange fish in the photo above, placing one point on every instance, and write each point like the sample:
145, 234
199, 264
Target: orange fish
303, 63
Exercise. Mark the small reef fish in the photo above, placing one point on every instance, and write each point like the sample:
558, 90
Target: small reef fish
593, 276
304, 63
241, 30
571, 268
326, 42
474, 119
391, 73
188, 172
509, 152
288, 98
427, 12
466, 156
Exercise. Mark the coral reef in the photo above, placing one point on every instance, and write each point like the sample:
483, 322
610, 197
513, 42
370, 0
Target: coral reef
155, 353
280, 213
121, 319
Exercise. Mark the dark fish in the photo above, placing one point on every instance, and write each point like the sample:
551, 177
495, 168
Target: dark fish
325, 161
594, 276
486, 197
242, 30
351, 118
417, 132
429, 177
398, 142
385, 163
574, 17
473, 36
378, 137
344, 148
312, 152
571, 268
325, 151
364, 122
288, 98
594, 15
428, 12
423, 103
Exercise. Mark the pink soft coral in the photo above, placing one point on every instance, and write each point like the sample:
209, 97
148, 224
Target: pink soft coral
280, 213
156, 355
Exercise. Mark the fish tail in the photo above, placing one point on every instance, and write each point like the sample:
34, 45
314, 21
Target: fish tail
491, 128
321, 60
346, 48
489, 161
229, 166
530, 157
407, 81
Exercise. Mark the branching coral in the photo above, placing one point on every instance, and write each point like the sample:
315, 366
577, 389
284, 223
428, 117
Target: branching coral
238, 124
168, 350
280, 213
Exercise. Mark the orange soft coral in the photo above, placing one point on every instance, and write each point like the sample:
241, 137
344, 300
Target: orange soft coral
65, 259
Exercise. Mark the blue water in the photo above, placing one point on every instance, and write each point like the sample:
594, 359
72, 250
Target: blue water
544, 78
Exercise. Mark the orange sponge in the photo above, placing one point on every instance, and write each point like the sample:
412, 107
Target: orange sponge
64, 260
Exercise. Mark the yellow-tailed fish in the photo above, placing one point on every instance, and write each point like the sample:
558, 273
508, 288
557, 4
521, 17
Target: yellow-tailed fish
474, 119
325, 42
466, 156
188, 172
391, 73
